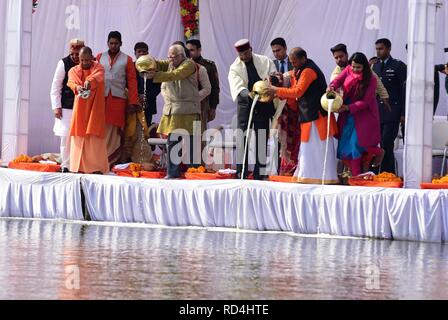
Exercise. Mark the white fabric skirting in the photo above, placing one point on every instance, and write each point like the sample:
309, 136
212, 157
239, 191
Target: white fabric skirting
401, 214
28, 194
419, 215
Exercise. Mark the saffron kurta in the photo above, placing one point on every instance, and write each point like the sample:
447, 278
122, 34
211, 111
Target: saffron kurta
88, 151
313, 138
116, 105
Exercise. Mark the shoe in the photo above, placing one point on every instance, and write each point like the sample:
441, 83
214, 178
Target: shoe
168, 177
64, 170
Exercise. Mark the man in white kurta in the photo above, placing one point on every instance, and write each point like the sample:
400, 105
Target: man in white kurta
246, 70
62, 99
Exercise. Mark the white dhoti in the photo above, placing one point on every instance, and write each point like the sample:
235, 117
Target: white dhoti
311, 160
61, 129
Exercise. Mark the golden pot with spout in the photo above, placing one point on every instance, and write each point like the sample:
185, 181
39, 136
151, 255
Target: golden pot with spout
332, 96
260, 88
146, 63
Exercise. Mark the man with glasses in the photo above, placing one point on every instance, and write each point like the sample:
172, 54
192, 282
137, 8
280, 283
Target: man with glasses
181, 112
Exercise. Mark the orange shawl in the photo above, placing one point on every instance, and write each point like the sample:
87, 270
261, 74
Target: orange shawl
89, 115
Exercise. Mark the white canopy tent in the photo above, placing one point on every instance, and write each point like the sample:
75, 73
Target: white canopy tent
315, 25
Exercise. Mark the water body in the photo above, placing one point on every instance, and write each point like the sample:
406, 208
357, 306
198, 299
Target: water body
60, 260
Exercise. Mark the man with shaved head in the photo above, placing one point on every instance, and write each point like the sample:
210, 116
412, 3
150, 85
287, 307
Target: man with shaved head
88, 151
182, 109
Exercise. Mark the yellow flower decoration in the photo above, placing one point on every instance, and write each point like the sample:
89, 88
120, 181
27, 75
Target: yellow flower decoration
188, 33
184, 12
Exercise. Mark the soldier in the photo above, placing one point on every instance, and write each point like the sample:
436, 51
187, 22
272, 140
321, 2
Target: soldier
209, 105
392, 73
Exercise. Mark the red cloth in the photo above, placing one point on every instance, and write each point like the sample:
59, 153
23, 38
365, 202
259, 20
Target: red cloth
31, 166
290, 140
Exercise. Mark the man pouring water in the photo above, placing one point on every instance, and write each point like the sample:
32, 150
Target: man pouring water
246, 70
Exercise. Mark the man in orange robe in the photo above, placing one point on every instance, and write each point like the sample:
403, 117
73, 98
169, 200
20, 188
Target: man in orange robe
88, 152
121, 93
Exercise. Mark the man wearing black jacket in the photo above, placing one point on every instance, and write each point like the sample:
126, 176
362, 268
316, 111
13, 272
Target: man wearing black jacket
392, 73
152, 89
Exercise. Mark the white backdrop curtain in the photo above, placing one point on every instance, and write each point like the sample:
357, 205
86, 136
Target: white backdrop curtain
314, 25
16, 72
2, 58
57, 21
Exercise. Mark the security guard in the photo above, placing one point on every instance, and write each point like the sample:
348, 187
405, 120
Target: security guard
208, 109
392, 73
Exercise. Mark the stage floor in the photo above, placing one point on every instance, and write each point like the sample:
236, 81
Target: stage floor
401, 214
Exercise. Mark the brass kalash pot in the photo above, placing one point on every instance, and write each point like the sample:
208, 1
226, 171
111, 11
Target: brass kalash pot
331, 96
260, 88
146, 63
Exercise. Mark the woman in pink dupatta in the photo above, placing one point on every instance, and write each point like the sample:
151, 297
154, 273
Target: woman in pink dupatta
359, 119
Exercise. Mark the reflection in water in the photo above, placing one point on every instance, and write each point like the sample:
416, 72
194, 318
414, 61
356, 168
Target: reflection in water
39, 259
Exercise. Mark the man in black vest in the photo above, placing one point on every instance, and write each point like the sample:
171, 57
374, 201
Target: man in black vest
307, 87
62, 98
392, 73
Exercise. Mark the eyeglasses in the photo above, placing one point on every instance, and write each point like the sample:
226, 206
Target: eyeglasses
174, 57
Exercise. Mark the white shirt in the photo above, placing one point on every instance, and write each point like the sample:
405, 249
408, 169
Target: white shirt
56, 86
285, 65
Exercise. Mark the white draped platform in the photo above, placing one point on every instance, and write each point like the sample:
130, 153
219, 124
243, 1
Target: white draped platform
401, 214
31, 194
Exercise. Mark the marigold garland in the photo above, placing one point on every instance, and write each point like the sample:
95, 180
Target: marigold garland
443, 180
136, 169
200, 169
189, 11
386, 177
23, 158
